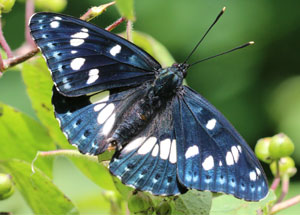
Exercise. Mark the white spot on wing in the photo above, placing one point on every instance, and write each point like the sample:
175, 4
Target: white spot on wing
211, 124
147, 146
208, 163
133, 144
239, 148
165, 146
115, 50
173, 154
191, 151
80, 35
74, 52
105, 113
77, 63
84, 30
99, 107
258, 171
93, 76
54, 24
220, 163
155, 151
252, 176
235, 153
229, 158
100, 97
76, 42
57, 18
109, 124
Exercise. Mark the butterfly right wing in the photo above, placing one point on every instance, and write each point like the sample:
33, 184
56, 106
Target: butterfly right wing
84, 58
149, 161
88, 120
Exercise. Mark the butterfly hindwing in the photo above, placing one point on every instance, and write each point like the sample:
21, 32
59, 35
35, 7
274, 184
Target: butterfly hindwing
87, 121
84, 58
149, 161
211, 154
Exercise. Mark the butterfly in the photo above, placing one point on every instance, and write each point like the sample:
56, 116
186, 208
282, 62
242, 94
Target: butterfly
168, 138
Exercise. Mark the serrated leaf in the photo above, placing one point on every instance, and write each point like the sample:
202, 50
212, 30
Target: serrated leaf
227, 204
39, 192
125, 8
39, 88
192, 203
21, 137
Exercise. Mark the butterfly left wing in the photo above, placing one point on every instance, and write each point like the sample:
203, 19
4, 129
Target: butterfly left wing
84, 58
211, 155
149, 161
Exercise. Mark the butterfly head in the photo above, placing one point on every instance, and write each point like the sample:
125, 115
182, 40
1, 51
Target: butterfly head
170, 79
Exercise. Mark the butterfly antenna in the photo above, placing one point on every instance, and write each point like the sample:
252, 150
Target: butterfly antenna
231, 50
210, 27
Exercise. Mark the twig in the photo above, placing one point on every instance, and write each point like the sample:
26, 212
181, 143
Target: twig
20, 59
3, 42
28, 13
95, 11
115, 24
286, 204
1, 65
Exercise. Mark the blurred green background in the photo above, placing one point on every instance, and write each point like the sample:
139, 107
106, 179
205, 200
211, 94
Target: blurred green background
257, 88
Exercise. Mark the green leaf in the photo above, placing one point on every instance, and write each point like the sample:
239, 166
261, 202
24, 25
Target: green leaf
37, 189
21, 137
39, 88
193, 202
153, 47
125, 8
227, 204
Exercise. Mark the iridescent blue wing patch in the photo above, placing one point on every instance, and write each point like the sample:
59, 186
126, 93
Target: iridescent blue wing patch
84, 58
87, 120
211, 155
149, 161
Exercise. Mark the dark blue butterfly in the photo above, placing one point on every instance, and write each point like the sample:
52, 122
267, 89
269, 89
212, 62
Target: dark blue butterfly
168, 137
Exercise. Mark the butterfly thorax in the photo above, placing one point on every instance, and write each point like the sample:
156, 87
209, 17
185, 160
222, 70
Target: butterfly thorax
157, 95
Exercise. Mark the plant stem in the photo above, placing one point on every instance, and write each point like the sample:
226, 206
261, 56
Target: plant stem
115, 24
285, 188
129, 30
28, 13
286, 204
276, 180
20, 59
65, 152
95, 11
3, 42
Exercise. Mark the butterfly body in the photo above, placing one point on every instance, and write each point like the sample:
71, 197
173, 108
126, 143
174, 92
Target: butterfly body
107, 91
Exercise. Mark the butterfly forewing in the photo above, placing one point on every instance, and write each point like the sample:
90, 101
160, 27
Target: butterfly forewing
84, 59
211, 154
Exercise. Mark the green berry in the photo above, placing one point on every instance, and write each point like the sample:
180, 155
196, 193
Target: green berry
286, 167
6, 5
140, 203
281, 146
262, 149
163, 208
6, 186
51, 5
